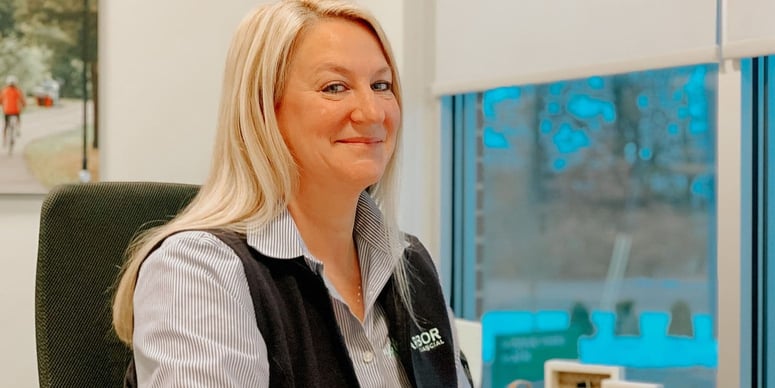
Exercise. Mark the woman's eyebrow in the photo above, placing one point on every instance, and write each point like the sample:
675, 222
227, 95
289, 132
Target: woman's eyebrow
332, 67
337, 68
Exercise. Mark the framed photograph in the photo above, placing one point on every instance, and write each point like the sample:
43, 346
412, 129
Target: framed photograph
48, 93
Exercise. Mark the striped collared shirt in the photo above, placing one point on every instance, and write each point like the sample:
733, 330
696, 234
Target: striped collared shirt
194, 320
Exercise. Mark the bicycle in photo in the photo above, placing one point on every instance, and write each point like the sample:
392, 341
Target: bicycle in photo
10, 133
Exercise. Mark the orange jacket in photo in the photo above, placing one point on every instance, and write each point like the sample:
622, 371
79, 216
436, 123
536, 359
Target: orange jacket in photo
12, 100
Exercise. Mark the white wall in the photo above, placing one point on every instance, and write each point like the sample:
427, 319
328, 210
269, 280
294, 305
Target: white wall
421, 168
161, 65
18, 241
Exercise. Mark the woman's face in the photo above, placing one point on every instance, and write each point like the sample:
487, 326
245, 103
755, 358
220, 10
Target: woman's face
338, 114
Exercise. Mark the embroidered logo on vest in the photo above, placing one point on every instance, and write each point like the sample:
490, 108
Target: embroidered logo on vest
427, 340
390, 350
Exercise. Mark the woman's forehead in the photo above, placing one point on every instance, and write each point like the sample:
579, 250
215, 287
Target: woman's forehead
333, 42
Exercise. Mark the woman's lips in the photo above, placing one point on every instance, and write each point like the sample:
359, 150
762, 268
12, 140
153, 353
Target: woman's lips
360, 140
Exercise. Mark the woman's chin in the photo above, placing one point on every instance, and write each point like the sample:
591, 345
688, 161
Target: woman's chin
361, 178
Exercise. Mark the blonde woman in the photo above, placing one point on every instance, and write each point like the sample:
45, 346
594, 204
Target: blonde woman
287, 269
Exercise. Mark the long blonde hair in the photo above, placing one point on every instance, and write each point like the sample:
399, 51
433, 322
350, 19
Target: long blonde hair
253, 174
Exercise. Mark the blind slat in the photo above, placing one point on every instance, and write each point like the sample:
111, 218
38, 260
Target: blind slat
748, 28
490, 43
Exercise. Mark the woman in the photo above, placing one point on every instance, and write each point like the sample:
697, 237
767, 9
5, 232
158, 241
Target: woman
288, 269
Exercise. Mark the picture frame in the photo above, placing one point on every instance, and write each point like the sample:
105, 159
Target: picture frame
48, 54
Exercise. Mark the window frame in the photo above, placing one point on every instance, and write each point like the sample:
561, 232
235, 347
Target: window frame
733, 218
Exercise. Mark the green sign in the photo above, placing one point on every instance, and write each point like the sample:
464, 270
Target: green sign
522, 356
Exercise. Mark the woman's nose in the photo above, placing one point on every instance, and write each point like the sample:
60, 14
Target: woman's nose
367, 108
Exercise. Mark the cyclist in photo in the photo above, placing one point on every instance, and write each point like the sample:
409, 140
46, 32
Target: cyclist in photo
12, 100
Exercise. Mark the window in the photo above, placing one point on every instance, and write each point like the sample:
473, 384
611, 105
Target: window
584, 224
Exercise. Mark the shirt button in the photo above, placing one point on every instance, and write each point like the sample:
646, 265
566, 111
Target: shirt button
368, 357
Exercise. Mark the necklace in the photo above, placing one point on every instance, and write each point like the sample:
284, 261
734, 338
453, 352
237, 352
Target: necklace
359, 295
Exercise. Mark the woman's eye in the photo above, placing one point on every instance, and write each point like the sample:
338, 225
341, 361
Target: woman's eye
382, 86
334, 88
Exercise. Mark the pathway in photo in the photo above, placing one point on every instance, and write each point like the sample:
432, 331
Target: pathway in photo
15, 176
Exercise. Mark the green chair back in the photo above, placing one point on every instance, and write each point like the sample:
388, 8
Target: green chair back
85, 230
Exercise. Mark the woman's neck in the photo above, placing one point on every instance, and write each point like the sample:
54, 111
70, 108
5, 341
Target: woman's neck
325, 220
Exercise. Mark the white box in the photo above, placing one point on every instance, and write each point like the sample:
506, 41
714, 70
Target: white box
553, 369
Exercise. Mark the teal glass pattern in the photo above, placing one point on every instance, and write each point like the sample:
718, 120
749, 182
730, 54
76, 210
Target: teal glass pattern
596, 222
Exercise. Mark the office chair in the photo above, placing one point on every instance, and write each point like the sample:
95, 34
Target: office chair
84, 232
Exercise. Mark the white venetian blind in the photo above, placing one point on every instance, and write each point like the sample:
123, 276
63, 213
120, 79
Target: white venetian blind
482, 44
749, 28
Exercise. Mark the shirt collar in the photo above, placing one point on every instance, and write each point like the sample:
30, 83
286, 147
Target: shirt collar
280, 237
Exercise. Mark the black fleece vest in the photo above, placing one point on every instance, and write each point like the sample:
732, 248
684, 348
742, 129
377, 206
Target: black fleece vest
296, 319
